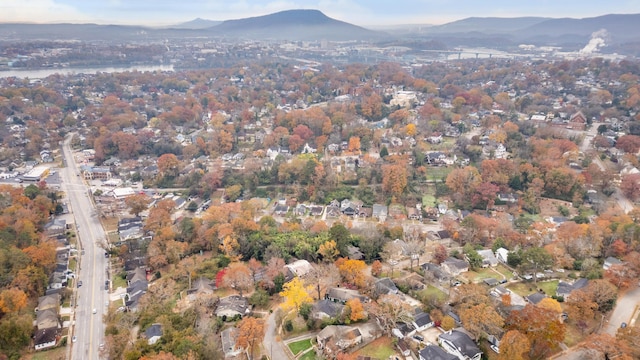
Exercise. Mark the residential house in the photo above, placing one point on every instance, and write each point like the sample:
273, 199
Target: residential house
354, 253
316, 210
342, 295
509, 198
333, 211
229, 347
299, 268
454, 267
55, 227
48, 302
565, 289
385, 286
436, 272
281, 209
458, 343
137, 286
535, 298
46, 319
491, 282
45, 338
380, 212
432, 352
201, 287
153, 333
326, 309
232, 306
499, 291
307, 149
422, 320
609, 262
502, 255
488, 259
404, 348
335, 339
414, 213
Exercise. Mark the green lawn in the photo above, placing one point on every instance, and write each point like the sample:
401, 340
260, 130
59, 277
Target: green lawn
526, 288
429, 200
118, 282
73, 263
438, 173
381, 348
299, 346
431, 291
311, 355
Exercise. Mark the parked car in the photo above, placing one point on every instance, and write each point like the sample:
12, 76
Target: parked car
418, 337
74, 339
79, 283
623, 325
495, 349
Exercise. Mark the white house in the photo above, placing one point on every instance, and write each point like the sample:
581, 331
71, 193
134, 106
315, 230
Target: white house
502, 255
460, 345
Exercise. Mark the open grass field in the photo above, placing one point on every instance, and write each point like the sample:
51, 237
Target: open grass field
381, 348
526, 288
311, 355
438, 173
299, 346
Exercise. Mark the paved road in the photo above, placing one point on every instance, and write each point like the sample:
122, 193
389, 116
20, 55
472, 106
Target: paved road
272, 344
88, 328
625, 306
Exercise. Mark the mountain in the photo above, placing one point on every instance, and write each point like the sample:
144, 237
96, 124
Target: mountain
295, 25
572, 34
195, 24
619, 28
487, 25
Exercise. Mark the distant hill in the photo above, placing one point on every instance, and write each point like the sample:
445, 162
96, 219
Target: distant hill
487, 25
195, 24
619, 28
295, 25
569, 33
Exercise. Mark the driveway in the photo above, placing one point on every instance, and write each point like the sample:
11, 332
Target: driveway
272, 344
623, 312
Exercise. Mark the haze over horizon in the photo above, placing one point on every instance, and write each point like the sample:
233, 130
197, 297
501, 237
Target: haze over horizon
358, 12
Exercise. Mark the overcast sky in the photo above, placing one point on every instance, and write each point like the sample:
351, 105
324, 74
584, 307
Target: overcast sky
359, 12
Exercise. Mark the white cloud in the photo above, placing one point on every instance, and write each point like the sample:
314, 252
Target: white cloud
39, 11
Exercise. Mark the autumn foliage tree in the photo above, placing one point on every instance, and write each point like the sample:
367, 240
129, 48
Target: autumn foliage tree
238, 277
542, 327
514, 346
356, 310
295, 294
352, 271
137, 203
250, 334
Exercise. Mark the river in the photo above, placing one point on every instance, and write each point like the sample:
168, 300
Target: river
43, 73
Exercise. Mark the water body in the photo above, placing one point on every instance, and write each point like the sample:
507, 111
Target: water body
43, 73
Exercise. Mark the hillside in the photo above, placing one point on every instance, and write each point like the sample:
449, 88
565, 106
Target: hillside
295, 25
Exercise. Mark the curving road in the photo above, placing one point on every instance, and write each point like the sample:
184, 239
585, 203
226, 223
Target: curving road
271, 343
86, 326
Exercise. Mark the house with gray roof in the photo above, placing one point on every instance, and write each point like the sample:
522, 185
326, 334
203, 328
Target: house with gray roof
229, 347
565, 289
379, 212
342, 295
459, 344
454, 267
232, 306
385, 286
326, 309
153, 333
488, 258
432, 352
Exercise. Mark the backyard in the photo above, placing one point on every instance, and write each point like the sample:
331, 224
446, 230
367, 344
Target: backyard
499, 272
526, 288
381, 348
